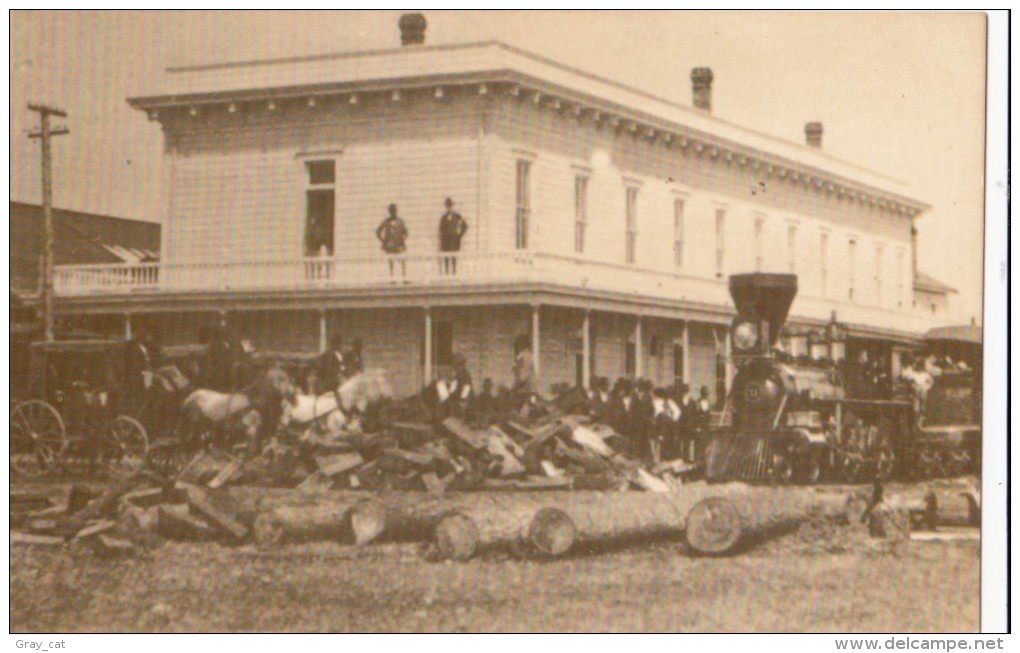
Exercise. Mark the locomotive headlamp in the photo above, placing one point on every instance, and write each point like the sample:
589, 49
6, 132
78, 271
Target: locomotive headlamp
745, 336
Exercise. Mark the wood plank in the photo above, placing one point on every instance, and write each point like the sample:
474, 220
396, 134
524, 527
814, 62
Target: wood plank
419, 459
41, 540
217, 510
338, 463
469, 437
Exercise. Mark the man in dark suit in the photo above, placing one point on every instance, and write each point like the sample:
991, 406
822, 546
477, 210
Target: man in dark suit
452, 228
331, 365
220, 355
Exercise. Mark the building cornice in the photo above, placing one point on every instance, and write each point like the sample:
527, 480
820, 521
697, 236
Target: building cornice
498, 69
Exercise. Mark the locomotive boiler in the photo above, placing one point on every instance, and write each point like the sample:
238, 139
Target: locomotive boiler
791, 418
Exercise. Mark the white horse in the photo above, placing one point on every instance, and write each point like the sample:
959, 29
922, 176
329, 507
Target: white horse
260, 403
333, 412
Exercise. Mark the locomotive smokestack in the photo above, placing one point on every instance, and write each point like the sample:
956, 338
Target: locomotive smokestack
764, 297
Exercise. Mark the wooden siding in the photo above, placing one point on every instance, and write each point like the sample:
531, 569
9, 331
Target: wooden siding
240, 182
561, 147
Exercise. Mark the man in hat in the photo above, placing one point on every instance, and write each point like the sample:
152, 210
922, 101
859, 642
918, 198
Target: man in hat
392, 233
331, 364
452, 228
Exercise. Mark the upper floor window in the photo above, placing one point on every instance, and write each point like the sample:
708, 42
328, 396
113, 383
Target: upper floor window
823, 259
759, 237
523, 215
678, 232
720, 242
580, 212
632, 194
791, 248
320, 207
851, 262
879, 255
899, 277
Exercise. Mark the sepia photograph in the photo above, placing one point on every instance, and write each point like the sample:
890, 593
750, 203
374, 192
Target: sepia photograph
484, 321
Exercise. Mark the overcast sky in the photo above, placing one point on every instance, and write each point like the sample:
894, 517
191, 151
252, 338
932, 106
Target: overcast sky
899, 93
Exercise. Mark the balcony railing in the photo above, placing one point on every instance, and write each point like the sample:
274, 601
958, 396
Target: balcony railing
437, 270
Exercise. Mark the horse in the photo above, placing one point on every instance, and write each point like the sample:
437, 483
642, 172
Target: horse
342, 409
256, 408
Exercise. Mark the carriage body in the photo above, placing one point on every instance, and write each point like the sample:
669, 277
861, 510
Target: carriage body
80, 403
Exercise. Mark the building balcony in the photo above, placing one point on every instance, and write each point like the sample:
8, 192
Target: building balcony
485, 271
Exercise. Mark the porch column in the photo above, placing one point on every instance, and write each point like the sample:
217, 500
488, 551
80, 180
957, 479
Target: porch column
586, 351
687, 352
127, 327
639, 364
536, 351
323, 344
428, 347
730, 369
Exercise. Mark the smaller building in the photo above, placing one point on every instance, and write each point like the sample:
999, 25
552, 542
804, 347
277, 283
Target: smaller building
79, 238
930, 294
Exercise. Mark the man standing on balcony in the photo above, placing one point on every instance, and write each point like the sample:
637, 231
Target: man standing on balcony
392, 233
452, 228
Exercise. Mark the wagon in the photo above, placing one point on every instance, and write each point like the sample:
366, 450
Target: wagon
82, 405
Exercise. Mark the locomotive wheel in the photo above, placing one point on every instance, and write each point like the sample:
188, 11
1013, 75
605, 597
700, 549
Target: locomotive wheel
809, 471
884, 466
782, 470
852, 469
38, 437
125, 446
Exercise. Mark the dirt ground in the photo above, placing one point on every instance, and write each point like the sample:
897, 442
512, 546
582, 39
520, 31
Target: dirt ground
820, 578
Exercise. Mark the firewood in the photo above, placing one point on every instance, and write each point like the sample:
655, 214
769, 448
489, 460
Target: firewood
218, 508
39, 540
457, 428
432, 483
509, 464
507, 441
338, 463
417, 459
206, 466
177, 523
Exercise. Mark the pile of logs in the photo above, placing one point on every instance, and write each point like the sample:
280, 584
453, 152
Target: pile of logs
714, 520
551, 487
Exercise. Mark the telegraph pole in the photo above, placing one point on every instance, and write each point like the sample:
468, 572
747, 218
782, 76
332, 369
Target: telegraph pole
44, 134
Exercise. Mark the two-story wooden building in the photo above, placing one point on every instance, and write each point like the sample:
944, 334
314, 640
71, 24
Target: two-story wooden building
603, 221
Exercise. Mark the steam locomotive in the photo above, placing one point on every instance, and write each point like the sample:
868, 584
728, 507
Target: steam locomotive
803, 419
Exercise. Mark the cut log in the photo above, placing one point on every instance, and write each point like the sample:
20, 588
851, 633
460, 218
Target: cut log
324, 517
890, 520
456, 537
740, 515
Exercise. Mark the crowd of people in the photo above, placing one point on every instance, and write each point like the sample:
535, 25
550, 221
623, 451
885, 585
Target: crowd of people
659, 423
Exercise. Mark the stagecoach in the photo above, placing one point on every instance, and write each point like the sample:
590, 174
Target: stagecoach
83, 404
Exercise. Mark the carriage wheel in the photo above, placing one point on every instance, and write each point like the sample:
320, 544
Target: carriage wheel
125, 446
38, 437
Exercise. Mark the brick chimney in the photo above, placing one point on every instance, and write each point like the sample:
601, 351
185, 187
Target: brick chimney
701, 88
412, 29
813, 134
